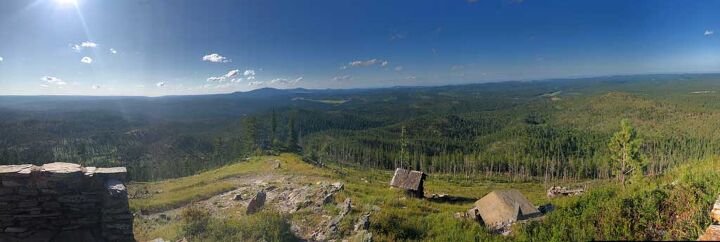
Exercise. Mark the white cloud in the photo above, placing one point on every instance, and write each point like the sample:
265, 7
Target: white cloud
88, 44
230, 75
398, 68
284, 81
215, 58
86, 60
257, 83
249, 74
1, 59
160, 84
278, 80
81, 46
709, 32
215, 79
384, 63
54, 81
341, 78
363, 63
95, 86
113, 51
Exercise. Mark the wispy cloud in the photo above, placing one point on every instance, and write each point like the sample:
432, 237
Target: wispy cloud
398, 68
249, 74
88, 44
86, 60
255, 83
95, 86
342, 78
363, 63
215, 58
396, 36
1, 59
228, 76
284, 81
160, 84
52, 81
83, 45
366, 63
234, 76
709, 32
113, 51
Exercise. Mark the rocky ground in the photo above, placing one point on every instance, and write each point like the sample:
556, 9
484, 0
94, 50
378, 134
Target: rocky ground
312, 197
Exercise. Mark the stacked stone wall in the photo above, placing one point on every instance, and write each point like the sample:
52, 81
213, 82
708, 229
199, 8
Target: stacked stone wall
64, 202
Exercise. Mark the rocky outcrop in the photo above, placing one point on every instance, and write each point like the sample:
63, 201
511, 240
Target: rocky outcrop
64, 202
712, 233
331, 231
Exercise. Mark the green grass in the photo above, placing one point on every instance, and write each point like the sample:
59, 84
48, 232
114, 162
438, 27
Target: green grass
366, 196
175, 193
647, 209
674, 206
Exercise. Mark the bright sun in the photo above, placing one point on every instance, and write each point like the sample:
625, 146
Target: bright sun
66, 2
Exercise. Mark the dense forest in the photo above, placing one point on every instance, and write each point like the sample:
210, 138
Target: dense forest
556, 129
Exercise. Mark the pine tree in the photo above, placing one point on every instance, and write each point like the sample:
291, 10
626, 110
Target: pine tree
292, 137
251, 134
273, 130
404, 153
625, 152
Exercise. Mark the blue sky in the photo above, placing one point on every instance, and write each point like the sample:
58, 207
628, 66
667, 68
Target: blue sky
162, 47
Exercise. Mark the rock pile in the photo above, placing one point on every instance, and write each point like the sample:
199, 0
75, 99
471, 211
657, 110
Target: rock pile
58, 201
555, 191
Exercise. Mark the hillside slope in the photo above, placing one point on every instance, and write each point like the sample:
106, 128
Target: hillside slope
672, 206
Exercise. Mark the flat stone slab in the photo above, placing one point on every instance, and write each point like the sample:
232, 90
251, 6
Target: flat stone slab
711, 234
89, 171
715, 213
15, 168
62, 168
110, 170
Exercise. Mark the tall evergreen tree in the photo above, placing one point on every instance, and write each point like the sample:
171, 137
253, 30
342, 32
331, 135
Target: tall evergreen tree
251, 134
273, 129
404, 153
625, 152
292, 137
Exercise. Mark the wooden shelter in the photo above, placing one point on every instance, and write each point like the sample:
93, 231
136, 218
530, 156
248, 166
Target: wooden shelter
410, 181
